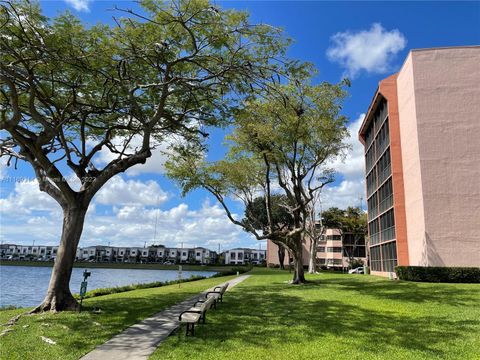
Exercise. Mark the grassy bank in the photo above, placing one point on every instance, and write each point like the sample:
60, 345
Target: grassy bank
336, 316
76, 334
185, 267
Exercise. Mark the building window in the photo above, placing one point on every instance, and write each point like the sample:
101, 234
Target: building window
371, 182
232, 255
384, 168
385, 196
334, 249
373, 229
372, 206
321, 249
389, 256
387, 224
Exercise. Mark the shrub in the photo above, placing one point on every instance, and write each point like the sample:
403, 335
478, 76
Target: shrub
439, 274
119, 289
233, 271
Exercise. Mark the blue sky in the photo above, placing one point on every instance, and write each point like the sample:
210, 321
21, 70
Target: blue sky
365, 41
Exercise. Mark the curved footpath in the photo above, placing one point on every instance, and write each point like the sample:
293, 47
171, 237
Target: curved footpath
139, 341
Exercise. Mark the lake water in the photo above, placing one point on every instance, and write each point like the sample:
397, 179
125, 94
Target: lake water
25, 286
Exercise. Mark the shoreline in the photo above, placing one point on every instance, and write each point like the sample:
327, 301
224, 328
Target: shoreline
185, 267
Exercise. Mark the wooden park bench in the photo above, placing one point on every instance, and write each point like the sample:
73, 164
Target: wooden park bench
196, 313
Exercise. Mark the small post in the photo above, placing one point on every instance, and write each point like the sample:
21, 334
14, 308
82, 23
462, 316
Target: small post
83, 287
179, 275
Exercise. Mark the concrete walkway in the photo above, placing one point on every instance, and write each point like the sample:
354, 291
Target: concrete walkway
139, 341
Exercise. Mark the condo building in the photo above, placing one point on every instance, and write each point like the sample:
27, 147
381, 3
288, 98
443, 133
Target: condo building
334, 250
422, 156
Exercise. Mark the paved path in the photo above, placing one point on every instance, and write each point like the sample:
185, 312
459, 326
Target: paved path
139, 341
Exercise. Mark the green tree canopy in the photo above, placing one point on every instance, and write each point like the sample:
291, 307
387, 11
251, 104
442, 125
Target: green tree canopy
281, 144
70, 91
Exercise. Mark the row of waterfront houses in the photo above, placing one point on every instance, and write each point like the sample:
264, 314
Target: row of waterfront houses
152, 254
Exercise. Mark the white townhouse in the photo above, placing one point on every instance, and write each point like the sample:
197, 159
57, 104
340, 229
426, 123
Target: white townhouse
186, 254
204, 256
172, 254
160, 253
100, 253
241, 256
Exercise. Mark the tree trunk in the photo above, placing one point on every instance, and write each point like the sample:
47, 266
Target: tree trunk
59, 297
298, 274
281, 256
312, 264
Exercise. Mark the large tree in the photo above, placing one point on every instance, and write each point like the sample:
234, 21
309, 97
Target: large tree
281, 144
69, 92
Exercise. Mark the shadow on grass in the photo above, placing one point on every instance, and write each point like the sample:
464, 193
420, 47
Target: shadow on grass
451, 294
260, 316
117, 313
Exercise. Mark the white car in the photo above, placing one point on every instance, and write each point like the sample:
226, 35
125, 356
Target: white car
358, 270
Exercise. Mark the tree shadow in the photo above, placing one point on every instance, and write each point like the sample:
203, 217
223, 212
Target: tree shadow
261, 315
451, 294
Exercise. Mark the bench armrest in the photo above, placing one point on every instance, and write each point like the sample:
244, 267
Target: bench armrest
188, 311
199, 301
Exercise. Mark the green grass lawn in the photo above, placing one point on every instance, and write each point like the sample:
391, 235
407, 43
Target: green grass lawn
336, 316
78, 333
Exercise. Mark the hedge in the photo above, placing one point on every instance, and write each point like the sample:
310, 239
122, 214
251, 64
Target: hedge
439, 274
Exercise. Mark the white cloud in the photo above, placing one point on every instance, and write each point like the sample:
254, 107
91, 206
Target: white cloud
124, 213
80, 5
352, 170
118, 192
347, 193
369, 50
27, 198
154, 165
353, 166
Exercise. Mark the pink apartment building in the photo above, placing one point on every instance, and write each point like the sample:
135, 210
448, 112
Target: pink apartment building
332, 251
422, 153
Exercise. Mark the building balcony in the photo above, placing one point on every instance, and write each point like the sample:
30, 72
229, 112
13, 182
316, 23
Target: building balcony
384, 174
386, 204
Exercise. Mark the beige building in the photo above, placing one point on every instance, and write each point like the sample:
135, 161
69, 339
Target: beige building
422, 151
332, 252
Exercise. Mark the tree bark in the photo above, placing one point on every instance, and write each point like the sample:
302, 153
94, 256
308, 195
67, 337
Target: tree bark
312, 266
298, 274
59, 297
281, 256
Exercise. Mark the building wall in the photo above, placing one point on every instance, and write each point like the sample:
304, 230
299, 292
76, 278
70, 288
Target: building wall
412, 174
447, 107
434, 114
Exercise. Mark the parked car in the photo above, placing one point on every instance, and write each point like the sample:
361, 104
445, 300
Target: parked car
167, 263
358, 270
